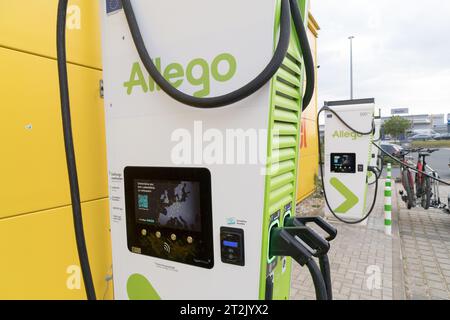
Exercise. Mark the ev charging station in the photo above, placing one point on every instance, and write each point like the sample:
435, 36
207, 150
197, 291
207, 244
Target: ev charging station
348, 156
189, 217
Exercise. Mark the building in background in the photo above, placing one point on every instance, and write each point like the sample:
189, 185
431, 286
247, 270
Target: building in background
439, 123
448, 122
424, 123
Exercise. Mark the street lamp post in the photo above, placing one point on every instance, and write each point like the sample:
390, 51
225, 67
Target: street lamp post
351, 66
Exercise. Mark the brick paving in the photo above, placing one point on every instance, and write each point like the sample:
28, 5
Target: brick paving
366, 264
362, 262
425, 241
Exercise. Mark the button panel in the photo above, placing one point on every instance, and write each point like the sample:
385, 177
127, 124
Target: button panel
232, 246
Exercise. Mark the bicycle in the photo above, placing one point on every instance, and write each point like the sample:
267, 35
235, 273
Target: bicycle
424, 184
407, 179
436, 196
436, 199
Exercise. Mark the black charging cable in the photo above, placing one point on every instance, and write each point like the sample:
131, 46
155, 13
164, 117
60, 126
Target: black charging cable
310, 68
287, 7
318, 280
70, 153
321, 250
378, 169
284, 242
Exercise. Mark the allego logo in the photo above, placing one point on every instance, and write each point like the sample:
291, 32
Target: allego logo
346, 134
197, 73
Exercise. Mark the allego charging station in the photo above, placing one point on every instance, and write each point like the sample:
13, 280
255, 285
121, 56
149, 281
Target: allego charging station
203, 103
189, 217
348, 155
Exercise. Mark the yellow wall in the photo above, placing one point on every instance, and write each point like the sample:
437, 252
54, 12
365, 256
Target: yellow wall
37, 242
309, 158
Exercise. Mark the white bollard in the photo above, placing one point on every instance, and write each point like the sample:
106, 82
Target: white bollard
388, 201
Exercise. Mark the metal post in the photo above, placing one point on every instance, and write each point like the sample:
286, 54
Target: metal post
351, 66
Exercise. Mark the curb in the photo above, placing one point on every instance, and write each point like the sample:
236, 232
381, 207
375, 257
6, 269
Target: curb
398, 287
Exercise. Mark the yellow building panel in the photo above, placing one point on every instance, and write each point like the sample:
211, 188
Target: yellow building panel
308, 162
39, 256
306, 182
311, 112
308, 143
30, 26
34, 173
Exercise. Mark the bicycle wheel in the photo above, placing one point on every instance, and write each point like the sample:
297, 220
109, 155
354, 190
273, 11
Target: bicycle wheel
426, 196
408, 189
418, 185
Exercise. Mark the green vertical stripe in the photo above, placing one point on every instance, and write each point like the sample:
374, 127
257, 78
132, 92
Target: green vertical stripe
387, 222
388, 207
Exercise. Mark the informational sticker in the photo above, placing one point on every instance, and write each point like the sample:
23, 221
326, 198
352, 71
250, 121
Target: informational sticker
113, 6
234, 221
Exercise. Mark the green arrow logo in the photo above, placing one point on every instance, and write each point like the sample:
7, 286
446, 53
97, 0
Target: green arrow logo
350, 198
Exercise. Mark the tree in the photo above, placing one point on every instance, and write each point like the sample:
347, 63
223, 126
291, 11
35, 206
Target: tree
396, 126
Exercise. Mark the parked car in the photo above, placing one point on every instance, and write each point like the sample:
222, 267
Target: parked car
429, 132
392, 149
444, 136
422, 137
436, 136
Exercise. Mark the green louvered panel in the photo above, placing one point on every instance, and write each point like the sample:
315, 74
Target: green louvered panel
294, 53
281, 180
288, 90
285, 127
285, 115
286, 103
282, 167
289, 78
279, 155
291, 66
281, 142
274, 207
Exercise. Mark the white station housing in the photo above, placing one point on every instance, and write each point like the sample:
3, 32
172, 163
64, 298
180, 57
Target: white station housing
347, 156
194, 192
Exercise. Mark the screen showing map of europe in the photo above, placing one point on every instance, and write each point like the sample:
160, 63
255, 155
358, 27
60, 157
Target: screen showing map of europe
171, 204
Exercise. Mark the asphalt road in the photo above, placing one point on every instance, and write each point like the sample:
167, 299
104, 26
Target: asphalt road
438, 161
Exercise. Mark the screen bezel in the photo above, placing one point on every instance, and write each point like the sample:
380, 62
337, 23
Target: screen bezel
199, 175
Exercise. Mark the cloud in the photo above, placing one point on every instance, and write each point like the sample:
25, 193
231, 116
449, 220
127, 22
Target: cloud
401, 52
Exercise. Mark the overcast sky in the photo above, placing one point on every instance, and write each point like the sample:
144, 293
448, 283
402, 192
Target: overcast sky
401, 52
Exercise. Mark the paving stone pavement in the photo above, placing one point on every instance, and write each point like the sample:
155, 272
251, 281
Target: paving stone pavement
425, 242
362, 262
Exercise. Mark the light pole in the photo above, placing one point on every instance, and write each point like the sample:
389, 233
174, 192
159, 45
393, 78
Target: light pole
351, 66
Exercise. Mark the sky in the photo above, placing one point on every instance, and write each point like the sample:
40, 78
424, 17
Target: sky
401, 52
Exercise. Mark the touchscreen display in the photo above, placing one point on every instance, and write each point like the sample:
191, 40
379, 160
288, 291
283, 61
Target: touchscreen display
343, 162
168, 203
